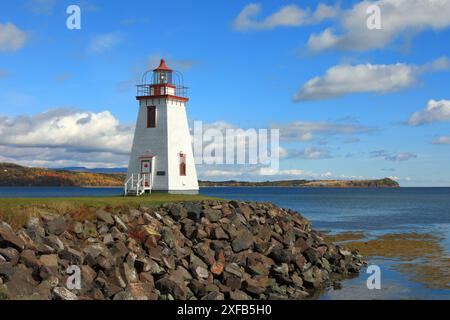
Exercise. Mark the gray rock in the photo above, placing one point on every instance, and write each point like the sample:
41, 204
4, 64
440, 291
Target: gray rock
243, 241
34, 229
281, 255
54, 242
212, 215
55, 225
200, 272
239, 295
178, 212
214, 296
104, 216
61, 293
120, 224
11, 255
73, 256
174, 286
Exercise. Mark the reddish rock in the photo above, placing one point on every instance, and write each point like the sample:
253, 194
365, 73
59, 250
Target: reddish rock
28, 258
217, 268
9, 239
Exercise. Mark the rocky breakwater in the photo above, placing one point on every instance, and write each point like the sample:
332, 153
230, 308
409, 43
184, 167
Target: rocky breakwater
207, 250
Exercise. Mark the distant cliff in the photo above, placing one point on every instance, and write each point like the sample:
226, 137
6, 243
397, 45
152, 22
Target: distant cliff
12, 175
378, 183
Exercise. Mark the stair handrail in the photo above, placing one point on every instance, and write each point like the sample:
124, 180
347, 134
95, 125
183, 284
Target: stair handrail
127, 183
139, 184
150, 183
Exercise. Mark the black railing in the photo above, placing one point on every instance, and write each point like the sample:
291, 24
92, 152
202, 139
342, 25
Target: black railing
144, 90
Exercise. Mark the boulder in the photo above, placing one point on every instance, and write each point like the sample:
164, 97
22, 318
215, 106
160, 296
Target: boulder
50, 260
9, 239
61, 293
178, 212
55, 225
239, 295
21, 283
172, 285
28, 258
212, 215
214, 296
73, 256
10, 255
244, 240
54, 242
281, 255
104, 216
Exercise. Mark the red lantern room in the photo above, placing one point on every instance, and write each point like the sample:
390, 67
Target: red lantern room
164, 83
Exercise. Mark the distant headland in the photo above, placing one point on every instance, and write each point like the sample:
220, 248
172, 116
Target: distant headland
13, 175
376, 183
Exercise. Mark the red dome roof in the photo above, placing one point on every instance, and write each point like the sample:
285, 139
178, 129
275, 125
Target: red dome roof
163, 66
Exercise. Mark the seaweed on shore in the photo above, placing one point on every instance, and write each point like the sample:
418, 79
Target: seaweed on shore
420, 256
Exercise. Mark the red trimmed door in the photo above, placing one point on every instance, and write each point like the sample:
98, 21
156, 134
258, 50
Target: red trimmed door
146, 170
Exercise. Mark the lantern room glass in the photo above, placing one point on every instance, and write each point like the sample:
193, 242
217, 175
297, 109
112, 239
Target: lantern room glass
162, 77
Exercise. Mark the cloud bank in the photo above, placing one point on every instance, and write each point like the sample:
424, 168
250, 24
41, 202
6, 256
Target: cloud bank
399, 19
435, 111
393, 156
287, 16
67, 136
341, 80
11, 37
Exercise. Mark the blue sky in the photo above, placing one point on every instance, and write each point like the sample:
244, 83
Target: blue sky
353, 100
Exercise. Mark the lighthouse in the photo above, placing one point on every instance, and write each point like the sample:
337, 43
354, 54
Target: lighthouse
161, 157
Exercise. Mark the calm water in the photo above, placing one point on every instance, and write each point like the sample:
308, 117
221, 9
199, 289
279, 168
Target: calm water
373, 211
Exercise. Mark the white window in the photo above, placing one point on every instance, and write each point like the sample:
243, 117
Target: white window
163, 91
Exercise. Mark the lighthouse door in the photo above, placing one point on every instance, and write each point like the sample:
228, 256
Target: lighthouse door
146, 170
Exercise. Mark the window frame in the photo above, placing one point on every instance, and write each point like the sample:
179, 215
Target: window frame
151, 117
182, 164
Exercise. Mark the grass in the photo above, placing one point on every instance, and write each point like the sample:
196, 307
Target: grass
17, 211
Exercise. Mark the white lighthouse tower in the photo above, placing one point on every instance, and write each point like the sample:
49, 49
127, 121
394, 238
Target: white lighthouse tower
161, 157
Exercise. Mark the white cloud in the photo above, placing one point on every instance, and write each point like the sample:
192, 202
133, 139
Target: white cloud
399, 18
73, 131
435, 111
307, 130
287, 16
61, 157
11, 37
105, 42
345, 79
310, 153
442, 140
443, 63
253, 173
326, 39
393, 156
364, 78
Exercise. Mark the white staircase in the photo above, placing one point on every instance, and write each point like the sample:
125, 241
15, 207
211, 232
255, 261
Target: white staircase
138, 184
